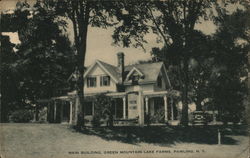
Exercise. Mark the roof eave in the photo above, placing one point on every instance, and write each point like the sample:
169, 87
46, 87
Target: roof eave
104, 69
140, 83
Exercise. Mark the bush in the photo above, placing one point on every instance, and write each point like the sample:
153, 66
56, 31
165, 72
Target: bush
42, 115
96, 122
103, 110
21, 116
158, 117
147, 119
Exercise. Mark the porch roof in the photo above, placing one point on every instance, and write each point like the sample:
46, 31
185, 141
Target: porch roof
170, 93
110, 94
63, 98
116, 94
149, 94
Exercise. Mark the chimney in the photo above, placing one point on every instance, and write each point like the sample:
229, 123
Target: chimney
120, 64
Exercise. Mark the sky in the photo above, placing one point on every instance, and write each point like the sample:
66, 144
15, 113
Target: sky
99, 41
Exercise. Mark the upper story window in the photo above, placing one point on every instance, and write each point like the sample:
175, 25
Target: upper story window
135, 79
159, 81
104, 81
91, 81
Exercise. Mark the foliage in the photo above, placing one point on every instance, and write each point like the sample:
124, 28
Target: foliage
96, 121
103, 108
82, 14
21, 116
158, 116
174, 23
11, 97
44, 54
43, 61
231, 45
217, 66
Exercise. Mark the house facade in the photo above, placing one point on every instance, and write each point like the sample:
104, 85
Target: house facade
137, 91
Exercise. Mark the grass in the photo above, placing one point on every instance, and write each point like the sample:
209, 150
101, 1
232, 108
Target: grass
56, 140
167, 135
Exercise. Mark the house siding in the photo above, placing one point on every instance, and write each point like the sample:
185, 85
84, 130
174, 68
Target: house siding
98, 72
163, 83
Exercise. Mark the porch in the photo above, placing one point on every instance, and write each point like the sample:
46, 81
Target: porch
131, 108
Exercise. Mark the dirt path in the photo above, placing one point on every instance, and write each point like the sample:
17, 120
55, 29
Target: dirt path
55, 140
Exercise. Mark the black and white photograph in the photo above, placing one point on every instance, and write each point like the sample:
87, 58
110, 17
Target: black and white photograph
124, 78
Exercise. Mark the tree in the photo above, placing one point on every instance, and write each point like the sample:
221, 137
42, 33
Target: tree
231, 45
217, 66
174, 22
82, 14
44, 53
199, 64
43, 60
10, 95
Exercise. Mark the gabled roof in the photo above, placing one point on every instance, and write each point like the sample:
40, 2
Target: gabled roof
134, 69
114, 71
109, 69
149, 70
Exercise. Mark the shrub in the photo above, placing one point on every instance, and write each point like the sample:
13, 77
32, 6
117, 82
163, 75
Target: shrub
21, 116
147, 119
96, 122
103, 110
158, 116
43, 115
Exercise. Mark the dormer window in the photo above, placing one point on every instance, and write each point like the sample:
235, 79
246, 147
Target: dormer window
104, 80
135, 79
91, 81
159, 81
134, 75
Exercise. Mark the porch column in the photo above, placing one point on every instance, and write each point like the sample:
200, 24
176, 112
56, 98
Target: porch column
93, 108
141, 108
62, 105
54, 112
124, 107
146, 100
77, 102
48, 113
115, 107
172, 109
70, 112
165, 108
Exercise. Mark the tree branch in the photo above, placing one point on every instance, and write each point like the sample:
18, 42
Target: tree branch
157, 26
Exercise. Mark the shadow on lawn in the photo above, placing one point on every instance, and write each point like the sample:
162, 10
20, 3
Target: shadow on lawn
167, 135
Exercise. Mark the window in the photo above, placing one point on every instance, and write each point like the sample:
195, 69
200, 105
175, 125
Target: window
135, 79
105, 81
91, 82
159, 81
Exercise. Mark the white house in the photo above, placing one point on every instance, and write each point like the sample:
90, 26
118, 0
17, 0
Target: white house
137, 90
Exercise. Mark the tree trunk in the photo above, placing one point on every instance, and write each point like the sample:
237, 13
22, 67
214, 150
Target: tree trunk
80, 84
198, 104
184, 118
36, 113
81, 44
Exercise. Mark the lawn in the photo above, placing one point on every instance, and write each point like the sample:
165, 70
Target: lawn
56, 140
